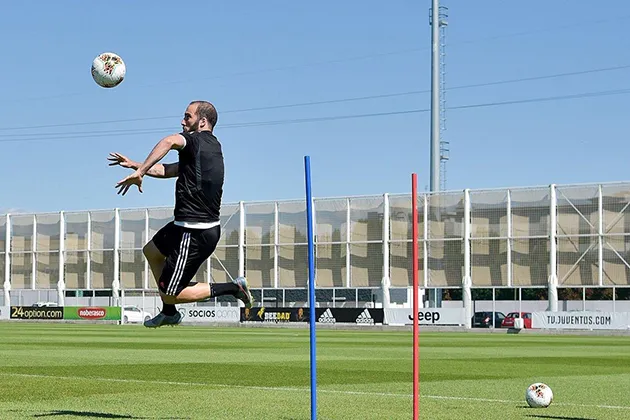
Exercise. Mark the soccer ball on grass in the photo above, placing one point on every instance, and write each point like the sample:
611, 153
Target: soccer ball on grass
108, 70
539, 395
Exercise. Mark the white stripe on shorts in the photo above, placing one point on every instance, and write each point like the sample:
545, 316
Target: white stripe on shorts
181, 264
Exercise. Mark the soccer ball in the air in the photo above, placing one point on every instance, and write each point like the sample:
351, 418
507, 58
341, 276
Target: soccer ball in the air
539, 395
108, 70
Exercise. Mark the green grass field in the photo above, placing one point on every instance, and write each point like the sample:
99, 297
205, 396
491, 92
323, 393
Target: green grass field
72, 371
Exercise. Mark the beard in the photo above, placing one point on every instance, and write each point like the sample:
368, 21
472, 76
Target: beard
191, 128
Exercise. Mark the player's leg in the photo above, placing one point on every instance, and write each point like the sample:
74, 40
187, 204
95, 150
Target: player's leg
170, 242
157, 260
199, 247
202, 291
155, 252
193, 248
180, 267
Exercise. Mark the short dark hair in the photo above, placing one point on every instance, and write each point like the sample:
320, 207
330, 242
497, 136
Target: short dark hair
206, 110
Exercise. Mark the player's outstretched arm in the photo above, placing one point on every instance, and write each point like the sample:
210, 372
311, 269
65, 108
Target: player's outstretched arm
159, 170
175, 141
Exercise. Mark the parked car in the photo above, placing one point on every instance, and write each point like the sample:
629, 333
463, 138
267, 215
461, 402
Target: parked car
483, 319
508, 322
45, 304
135, 314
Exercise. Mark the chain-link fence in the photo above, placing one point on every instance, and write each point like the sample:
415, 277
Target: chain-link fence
359, 241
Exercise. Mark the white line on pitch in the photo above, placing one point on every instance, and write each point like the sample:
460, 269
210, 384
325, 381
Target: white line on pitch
273, 388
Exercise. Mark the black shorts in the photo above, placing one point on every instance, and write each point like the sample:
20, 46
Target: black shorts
185, 250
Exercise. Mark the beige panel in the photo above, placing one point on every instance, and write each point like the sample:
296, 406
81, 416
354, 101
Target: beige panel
330, 265
577, 209
446, 263
400, 218
48, 232
488, 214
366, 219
292, 222
259, 224
616, 261
75, 269
21, 270
521, 226
446, 215
616, 208
572, 272
76, 231
21, 233
366, 262
259, 266
132, 224
102, 226
530, 212
293, 266
530, 262
401, 261
102, 269
616, 222
331, 220
131, 269
488, 260
569, 224
288, 234
47, 274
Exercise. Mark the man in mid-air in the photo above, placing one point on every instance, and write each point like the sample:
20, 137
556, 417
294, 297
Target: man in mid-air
178, 249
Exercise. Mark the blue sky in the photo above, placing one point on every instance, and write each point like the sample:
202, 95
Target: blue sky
248, 54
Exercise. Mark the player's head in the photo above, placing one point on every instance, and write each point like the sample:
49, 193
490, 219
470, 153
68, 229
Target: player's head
199, 116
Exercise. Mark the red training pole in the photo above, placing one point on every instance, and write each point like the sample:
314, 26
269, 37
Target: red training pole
414, 218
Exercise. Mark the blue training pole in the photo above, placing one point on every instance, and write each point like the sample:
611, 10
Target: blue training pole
311, 283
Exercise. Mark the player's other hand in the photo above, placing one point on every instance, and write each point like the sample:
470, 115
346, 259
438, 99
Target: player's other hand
126, 183
118, 159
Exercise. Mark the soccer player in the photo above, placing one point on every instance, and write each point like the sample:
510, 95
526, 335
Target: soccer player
177, 250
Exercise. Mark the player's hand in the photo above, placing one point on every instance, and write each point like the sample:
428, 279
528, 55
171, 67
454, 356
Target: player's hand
118, 159
126, 183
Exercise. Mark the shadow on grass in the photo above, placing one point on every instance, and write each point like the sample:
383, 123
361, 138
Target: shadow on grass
89, 414
93, 415
542, 416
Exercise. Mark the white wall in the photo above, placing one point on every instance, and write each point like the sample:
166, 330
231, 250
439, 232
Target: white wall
506, 306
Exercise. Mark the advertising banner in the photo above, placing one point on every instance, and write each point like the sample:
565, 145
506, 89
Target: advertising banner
581, 320
30, 312
195, 314
274, 315
92, 313
4, 312
358, 316
426, 316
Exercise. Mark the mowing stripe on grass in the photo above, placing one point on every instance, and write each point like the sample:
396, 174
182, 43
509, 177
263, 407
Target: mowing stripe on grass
327, 391
211, 385
491, 400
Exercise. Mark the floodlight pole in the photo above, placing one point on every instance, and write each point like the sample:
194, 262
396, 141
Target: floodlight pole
434, 176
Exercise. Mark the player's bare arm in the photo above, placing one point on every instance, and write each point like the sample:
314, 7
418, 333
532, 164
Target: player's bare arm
159, 170
175, 141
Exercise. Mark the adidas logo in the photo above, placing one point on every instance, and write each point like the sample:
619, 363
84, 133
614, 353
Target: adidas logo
327, 317
365, 318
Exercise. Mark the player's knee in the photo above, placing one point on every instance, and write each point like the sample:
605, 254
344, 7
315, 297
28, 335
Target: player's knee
152, 253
